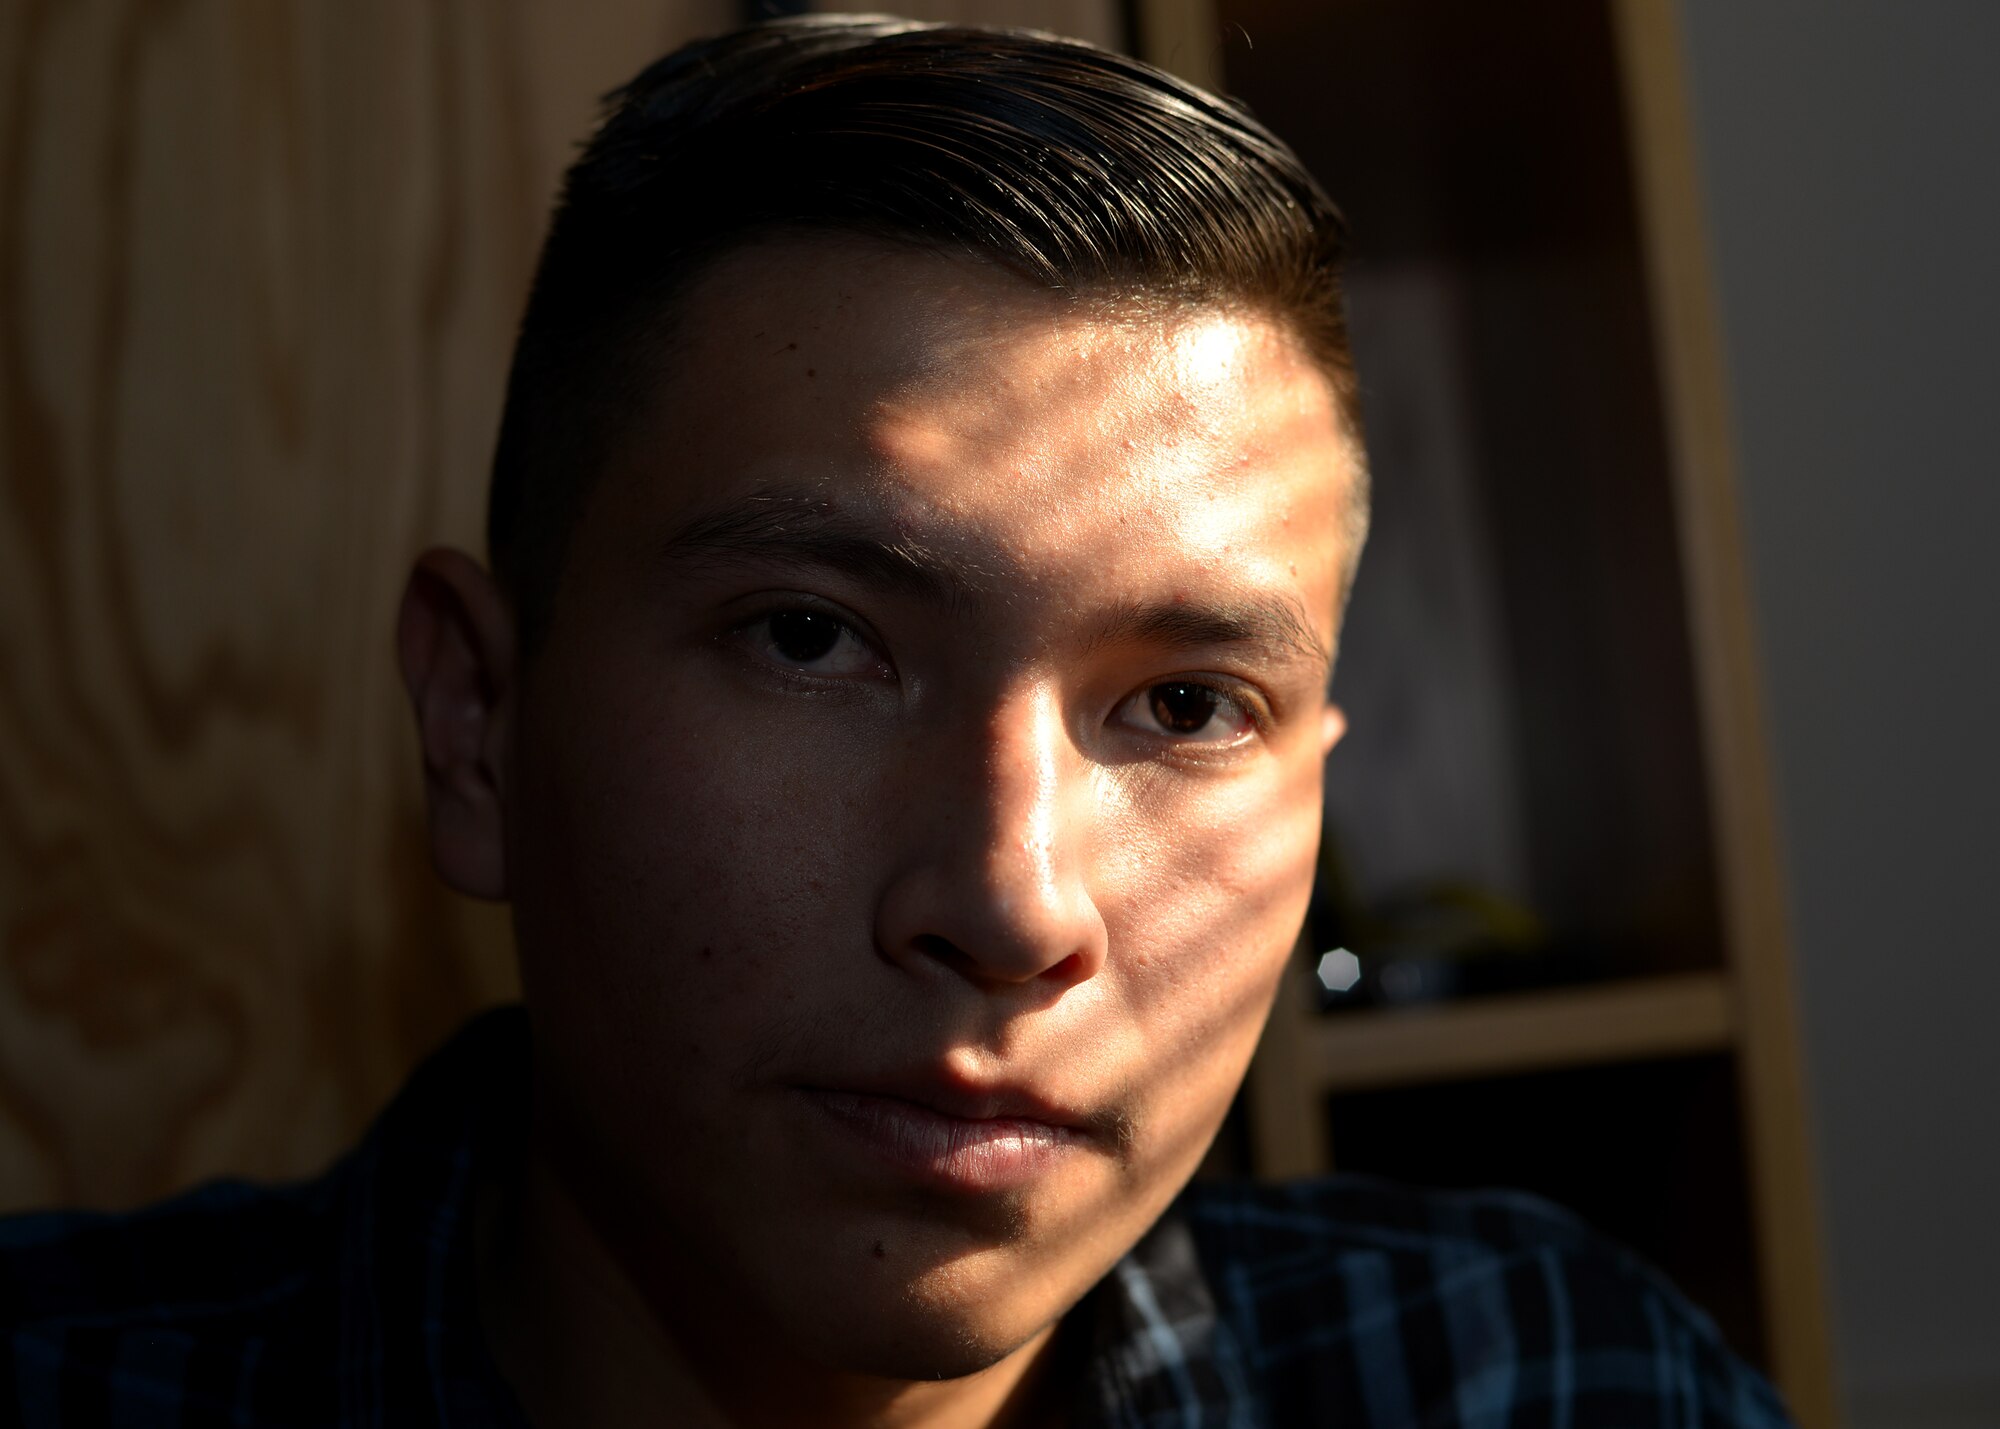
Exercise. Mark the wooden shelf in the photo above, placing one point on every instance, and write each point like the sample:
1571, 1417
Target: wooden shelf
1522, 1032
1550, 669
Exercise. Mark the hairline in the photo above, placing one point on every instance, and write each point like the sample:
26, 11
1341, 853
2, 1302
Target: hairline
643, 352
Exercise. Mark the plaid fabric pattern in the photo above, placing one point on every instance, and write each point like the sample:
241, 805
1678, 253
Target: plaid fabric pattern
349, 1301
1354, 1302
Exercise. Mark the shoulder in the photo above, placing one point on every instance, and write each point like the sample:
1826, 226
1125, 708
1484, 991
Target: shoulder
1358, 1297
347, 1299
222, 1248
183, 1308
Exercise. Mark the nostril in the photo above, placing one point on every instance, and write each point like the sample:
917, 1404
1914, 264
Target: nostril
1073, 968
943, 950
946, 953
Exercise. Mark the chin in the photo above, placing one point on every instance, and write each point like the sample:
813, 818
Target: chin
947, 1321
923, 1345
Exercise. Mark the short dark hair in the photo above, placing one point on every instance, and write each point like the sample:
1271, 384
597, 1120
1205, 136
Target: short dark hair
1080, 169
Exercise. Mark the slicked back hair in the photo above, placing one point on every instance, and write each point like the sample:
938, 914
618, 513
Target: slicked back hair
1084, 171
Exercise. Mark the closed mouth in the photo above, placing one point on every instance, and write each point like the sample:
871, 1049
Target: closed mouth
964, 1153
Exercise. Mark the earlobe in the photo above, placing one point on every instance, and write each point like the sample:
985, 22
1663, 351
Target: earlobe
1333, 724
455, 643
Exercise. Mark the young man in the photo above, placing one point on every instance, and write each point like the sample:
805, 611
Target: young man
927, 494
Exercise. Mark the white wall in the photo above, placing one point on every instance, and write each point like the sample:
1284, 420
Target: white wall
1852, 160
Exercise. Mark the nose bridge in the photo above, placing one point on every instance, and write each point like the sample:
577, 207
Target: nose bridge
1022, 796
999, 881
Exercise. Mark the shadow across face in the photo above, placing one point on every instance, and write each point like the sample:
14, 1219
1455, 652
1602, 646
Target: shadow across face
915, 797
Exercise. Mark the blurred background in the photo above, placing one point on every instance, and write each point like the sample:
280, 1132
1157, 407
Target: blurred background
1657, 861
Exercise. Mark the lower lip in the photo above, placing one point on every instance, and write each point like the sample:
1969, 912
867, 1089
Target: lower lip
949, 1152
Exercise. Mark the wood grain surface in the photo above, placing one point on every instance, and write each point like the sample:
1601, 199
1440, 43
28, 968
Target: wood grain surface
262, 260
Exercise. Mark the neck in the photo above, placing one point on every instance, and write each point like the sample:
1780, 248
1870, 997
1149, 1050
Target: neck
586, 1342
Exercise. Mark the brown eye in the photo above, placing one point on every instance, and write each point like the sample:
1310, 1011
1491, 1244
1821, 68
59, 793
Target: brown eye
1182, 708
803, 636
1188, 712
809, 641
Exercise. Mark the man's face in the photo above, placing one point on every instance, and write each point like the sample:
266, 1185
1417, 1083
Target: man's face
915, 798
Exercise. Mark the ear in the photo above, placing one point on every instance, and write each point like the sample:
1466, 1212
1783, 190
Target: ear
1332, 725
455, 642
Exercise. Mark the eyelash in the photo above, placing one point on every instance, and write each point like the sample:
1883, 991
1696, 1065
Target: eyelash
1249, 703
749, 631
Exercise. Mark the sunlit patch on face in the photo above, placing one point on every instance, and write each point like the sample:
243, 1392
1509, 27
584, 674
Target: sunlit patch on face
1209, 350
963, 700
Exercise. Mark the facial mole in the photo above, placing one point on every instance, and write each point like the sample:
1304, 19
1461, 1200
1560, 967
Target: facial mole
879, 1251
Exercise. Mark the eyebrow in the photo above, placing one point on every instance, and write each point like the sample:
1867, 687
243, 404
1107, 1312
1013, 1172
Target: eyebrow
798, 529
1274, 623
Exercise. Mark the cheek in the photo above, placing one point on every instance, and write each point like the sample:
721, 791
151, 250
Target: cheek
1211, 876
1208, 913
683, 872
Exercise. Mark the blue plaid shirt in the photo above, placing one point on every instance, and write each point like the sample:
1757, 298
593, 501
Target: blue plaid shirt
349, 1300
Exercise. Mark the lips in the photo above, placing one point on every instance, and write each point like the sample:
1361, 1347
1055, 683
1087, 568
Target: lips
954, 1140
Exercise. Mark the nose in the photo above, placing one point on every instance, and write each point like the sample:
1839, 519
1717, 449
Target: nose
997, 831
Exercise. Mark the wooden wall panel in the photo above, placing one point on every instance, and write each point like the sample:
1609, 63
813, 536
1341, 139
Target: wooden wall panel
262, 260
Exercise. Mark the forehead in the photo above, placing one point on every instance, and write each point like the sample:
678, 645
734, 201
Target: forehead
954, 401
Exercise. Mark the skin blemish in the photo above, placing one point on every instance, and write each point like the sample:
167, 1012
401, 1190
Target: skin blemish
811, 372
879, 1251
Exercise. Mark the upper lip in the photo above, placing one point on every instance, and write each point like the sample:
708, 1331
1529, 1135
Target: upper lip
967, 1101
